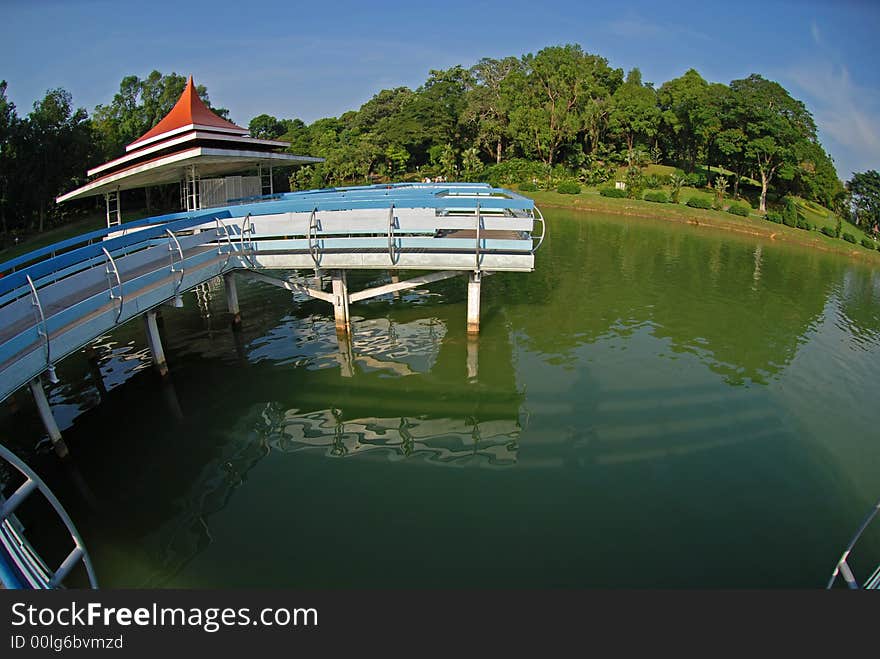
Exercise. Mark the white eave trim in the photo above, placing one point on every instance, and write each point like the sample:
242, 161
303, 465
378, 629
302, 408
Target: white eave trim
256, 156
197, 135
176, 131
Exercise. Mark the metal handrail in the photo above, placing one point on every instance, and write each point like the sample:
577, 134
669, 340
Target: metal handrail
314, 252
477, 250
842, 567
391, 240
222, 225
538, 215
44, 329
112, 264
176, 243
34, 482
246, 228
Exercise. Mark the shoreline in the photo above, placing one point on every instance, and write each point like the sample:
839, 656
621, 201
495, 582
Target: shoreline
701, 219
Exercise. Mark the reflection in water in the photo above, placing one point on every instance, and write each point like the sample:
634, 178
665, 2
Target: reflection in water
652, 406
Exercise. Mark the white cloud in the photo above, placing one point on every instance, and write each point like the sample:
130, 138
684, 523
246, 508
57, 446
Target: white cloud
845, 111
633, 26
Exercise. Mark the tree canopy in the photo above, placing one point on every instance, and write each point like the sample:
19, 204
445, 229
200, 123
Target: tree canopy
561, 107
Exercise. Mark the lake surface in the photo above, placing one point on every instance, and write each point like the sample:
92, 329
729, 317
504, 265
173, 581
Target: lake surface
655, 406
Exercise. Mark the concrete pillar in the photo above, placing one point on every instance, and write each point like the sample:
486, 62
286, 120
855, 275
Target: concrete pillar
154, 341
395, 279
340, 301
473, 303
47, 417
318, 280
232, 298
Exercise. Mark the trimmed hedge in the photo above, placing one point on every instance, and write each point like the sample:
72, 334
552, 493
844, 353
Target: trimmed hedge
658, 197
774, 217
828, 231
848, 237
612, 192
868, 243
568, 187
699, 202
528, 186
739, 209
803, 224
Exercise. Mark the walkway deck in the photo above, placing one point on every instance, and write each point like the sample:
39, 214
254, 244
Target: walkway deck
56, 300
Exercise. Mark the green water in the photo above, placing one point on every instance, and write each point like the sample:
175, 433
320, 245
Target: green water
654, 406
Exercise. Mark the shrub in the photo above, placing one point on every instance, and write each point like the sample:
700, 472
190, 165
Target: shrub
515, 170
568, 187
652, 182
612, 192
635, 183
828, 231
848, 237
676, 181
699, 202
867, 243
657, 196
774, 217
696, 180
788, 220
528, 186
739, 209
803, 224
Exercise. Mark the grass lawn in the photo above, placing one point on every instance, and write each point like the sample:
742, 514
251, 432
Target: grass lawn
85, 224
590, 200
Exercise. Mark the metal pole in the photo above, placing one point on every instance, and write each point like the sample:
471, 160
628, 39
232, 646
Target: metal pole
155, 343
48, 418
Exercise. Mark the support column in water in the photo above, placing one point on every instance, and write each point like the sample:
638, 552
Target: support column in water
395, 279
340, 301
473, 303
154, 341
48, 418
232, 298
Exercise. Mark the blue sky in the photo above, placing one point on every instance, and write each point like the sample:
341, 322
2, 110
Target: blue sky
315, 59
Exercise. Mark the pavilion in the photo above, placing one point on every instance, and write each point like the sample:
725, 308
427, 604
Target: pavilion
197, 148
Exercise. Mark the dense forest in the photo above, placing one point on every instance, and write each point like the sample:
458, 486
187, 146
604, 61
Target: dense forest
561, 114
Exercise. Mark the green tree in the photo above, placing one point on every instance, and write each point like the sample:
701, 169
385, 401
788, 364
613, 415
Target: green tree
634, 113
448, 162
470, 164
397, 157
682, 102
864, 188
9, 127
777, 127
487, 110
56, 143
266, 127
548, 98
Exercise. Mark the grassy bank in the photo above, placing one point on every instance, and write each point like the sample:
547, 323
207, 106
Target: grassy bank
590, 200
90, 222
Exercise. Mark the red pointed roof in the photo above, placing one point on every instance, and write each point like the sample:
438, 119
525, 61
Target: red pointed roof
189, 111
